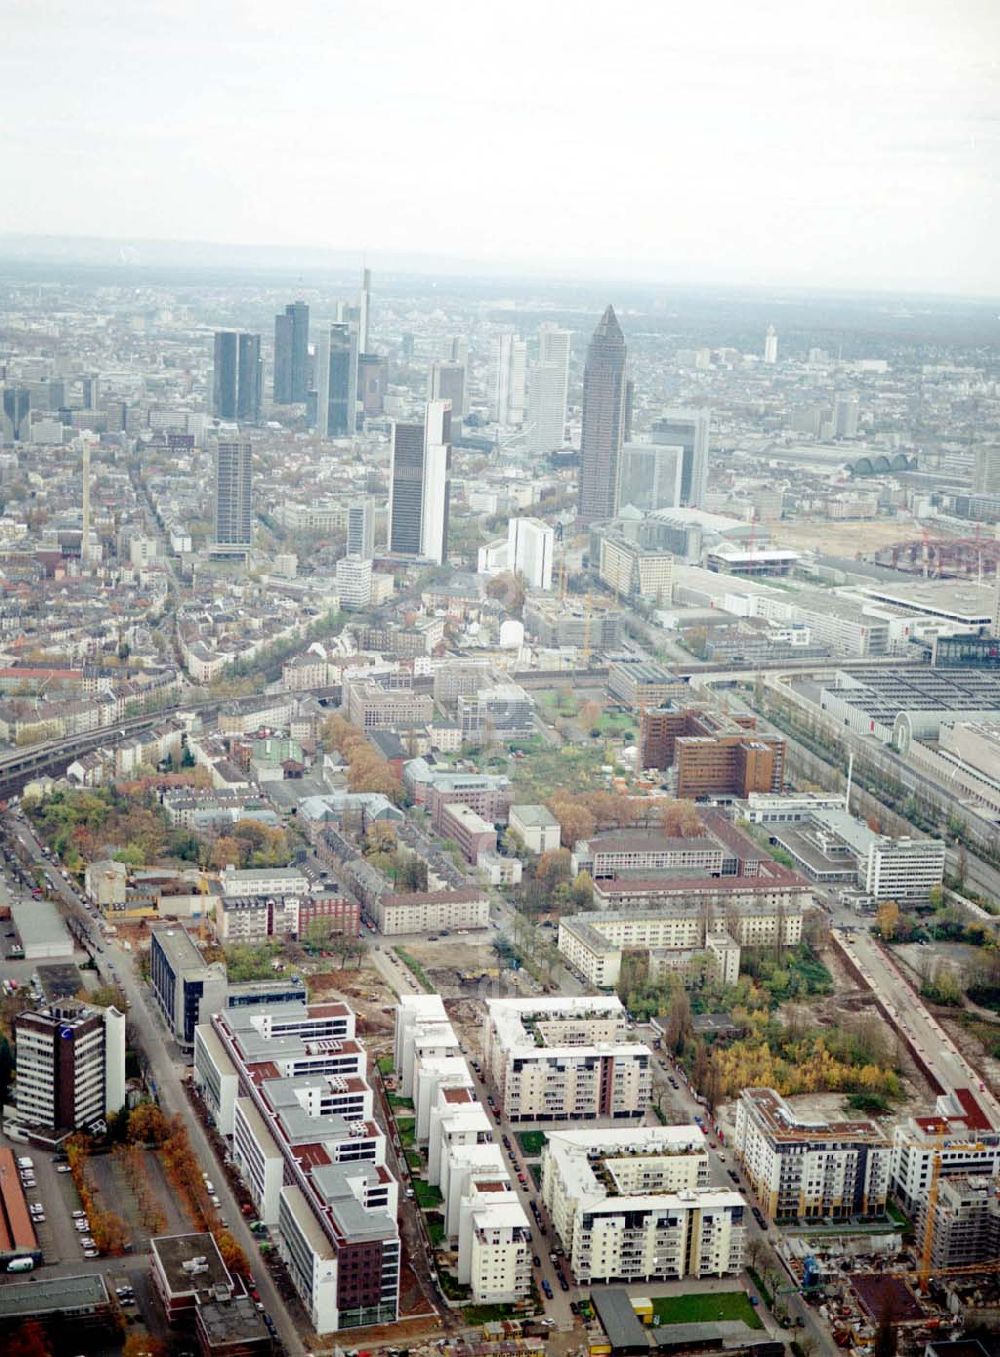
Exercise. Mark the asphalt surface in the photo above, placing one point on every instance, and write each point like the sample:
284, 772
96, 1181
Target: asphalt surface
115, 966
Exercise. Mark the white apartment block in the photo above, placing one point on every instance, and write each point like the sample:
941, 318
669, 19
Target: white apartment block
635, 1206
263, 882
565, 1059
480, 1207
494, 1245
805, 1170
959, 1132
594, 943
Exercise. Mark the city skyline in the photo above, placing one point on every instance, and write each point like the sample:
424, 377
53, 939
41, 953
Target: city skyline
854, 148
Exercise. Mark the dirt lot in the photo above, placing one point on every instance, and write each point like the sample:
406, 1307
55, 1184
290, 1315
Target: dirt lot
843, 539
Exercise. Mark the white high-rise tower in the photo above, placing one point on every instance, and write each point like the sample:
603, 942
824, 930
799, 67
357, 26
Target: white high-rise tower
548, 380
771, 345
436, 488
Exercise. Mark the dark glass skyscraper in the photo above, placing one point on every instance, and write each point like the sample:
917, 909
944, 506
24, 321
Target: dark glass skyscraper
406, 489
604, 391
16, 406
291, 354
236, 378
233, 497
337, 381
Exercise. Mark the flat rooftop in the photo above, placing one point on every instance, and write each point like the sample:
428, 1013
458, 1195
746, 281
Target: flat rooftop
173, 1251
39, 923
43, 1294
787, 1127
179, 948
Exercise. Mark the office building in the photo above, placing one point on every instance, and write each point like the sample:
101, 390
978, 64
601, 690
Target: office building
419, 486
237, 377
186, 987
688, 430
437, 483
565, 1059
17, 409
233, 497
986, 471
530, 545
361, 527
286, 1087
603, 432
833, 846
291, 355
537, 828
336, 381
800, 1169
845, 417
650, 476
635, 1205
548, 382
446, 381
372, 382
354, 583
629, 569
711, 755
771, 345
508, 377
70, 1066
364, 311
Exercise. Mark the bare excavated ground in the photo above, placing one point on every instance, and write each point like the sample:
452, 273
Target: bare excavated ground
843, 539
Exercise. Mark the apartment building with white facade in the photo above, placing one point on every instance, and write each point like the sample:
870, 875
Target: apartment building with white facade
565, 1059
286, 1087
595, 942
958, 1134
801, 1169
635, 1205
481, 1208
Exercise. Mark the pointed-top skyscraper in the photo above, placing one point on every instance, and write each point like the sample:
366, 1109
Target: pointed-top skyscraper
604, 388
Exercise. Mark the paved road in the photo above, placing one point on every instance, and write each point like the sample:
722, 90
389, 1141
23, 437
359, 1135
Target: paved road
115, 966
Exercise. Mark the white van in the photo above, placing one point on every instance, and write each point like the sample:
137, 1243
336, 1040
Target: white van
21, 1265
25, 1163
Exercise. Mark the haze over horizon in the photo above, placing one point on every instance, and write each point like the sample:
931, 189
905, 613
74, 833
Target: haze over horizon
851, 146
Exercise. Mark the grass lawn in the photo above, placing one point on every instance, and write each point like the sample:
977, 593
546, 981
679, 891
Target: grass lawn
414, 1159
536, 1174
400, 1103
427, 1197
531, 1142
576, 768
435, 1230
488, 1314
385, 1064
407, 1128
706, 1308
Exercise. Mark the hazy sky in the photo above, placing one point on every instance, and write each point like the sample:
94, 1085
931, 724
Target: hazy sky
825, 142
